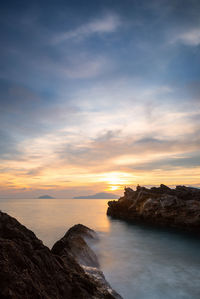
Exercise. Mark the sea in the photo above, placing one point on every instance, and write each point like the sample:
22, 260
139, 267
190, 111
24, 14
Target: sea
139, 262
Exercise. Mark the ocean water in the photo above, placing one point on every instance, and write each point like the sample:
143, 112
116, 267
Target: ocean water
138, 262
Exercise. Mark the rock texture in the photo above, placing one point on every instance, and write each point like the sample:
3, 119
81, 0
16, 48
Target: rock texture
75, 244
28, 269
162, 206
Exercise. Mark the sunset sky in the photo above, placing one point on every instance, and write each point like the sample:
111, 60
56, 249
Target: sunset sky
96, 95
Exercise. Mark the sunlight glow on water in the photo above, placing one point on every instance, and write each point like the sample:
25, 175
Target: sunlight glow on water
139, 262
51, 218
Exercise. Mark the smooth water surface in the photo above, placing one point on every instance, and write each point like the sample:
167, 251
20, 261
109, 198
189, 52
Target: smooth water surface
139, 262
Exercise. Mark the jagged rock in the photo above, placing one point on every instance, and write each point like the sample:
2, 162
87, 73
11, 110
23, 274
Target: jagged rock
168, 201
129, 193
28, 269
74, 243
162, 206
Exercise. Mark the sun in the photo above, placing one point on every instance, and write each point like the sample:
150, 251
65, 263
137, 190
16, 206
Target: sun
113, 178
116, 180
113, 188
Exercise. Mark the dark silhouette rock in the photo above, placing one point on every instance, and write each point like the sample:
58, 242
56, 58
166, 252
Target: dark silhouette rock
28, 269
162, 206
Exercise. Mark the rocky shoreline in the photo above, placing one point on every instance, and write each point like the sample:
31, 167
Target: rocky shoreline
163, 207
29, 269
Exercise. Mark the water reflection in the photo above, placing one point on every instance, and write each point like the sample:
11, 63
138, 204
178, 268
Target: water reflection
51, 218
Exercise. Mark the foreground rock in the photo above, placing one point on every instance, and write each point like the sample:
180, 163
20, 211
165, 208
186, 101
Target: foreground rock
178, 208
28, 269
75, 244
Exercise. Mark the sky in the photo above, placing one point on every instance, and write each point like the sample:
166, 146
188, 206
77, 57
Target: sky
98, 95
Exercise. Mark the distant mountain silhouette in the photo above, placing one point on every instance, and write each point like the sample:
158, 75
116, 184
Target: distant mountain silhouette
45, 196
101, 195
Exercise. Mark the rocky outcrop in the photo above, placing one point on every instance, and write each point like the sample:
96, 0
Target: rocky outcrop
28, 269
162, 206
75, 244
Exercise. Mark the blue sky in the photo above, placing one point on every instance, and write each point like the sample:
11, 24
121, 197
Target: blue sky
96, 95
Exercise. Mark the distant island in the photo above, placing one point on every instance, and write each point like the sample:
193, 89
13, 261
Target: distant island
46, 196
100, 195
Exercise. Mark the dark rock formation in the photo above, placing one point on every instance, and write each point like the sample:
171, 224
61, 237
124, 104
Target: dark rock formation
28, 269
162, 206
75, 243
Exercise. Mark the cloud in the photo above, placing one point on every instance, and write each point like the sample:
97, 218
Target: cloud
190, 37
89, 91
83, 67
35, 171
8, 146
190, 160
111, 150
194, 91
27, 113
107, 24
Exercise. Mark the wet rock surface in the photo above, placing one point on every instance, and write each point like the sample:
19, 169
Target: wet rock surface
28, 269
165, 207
